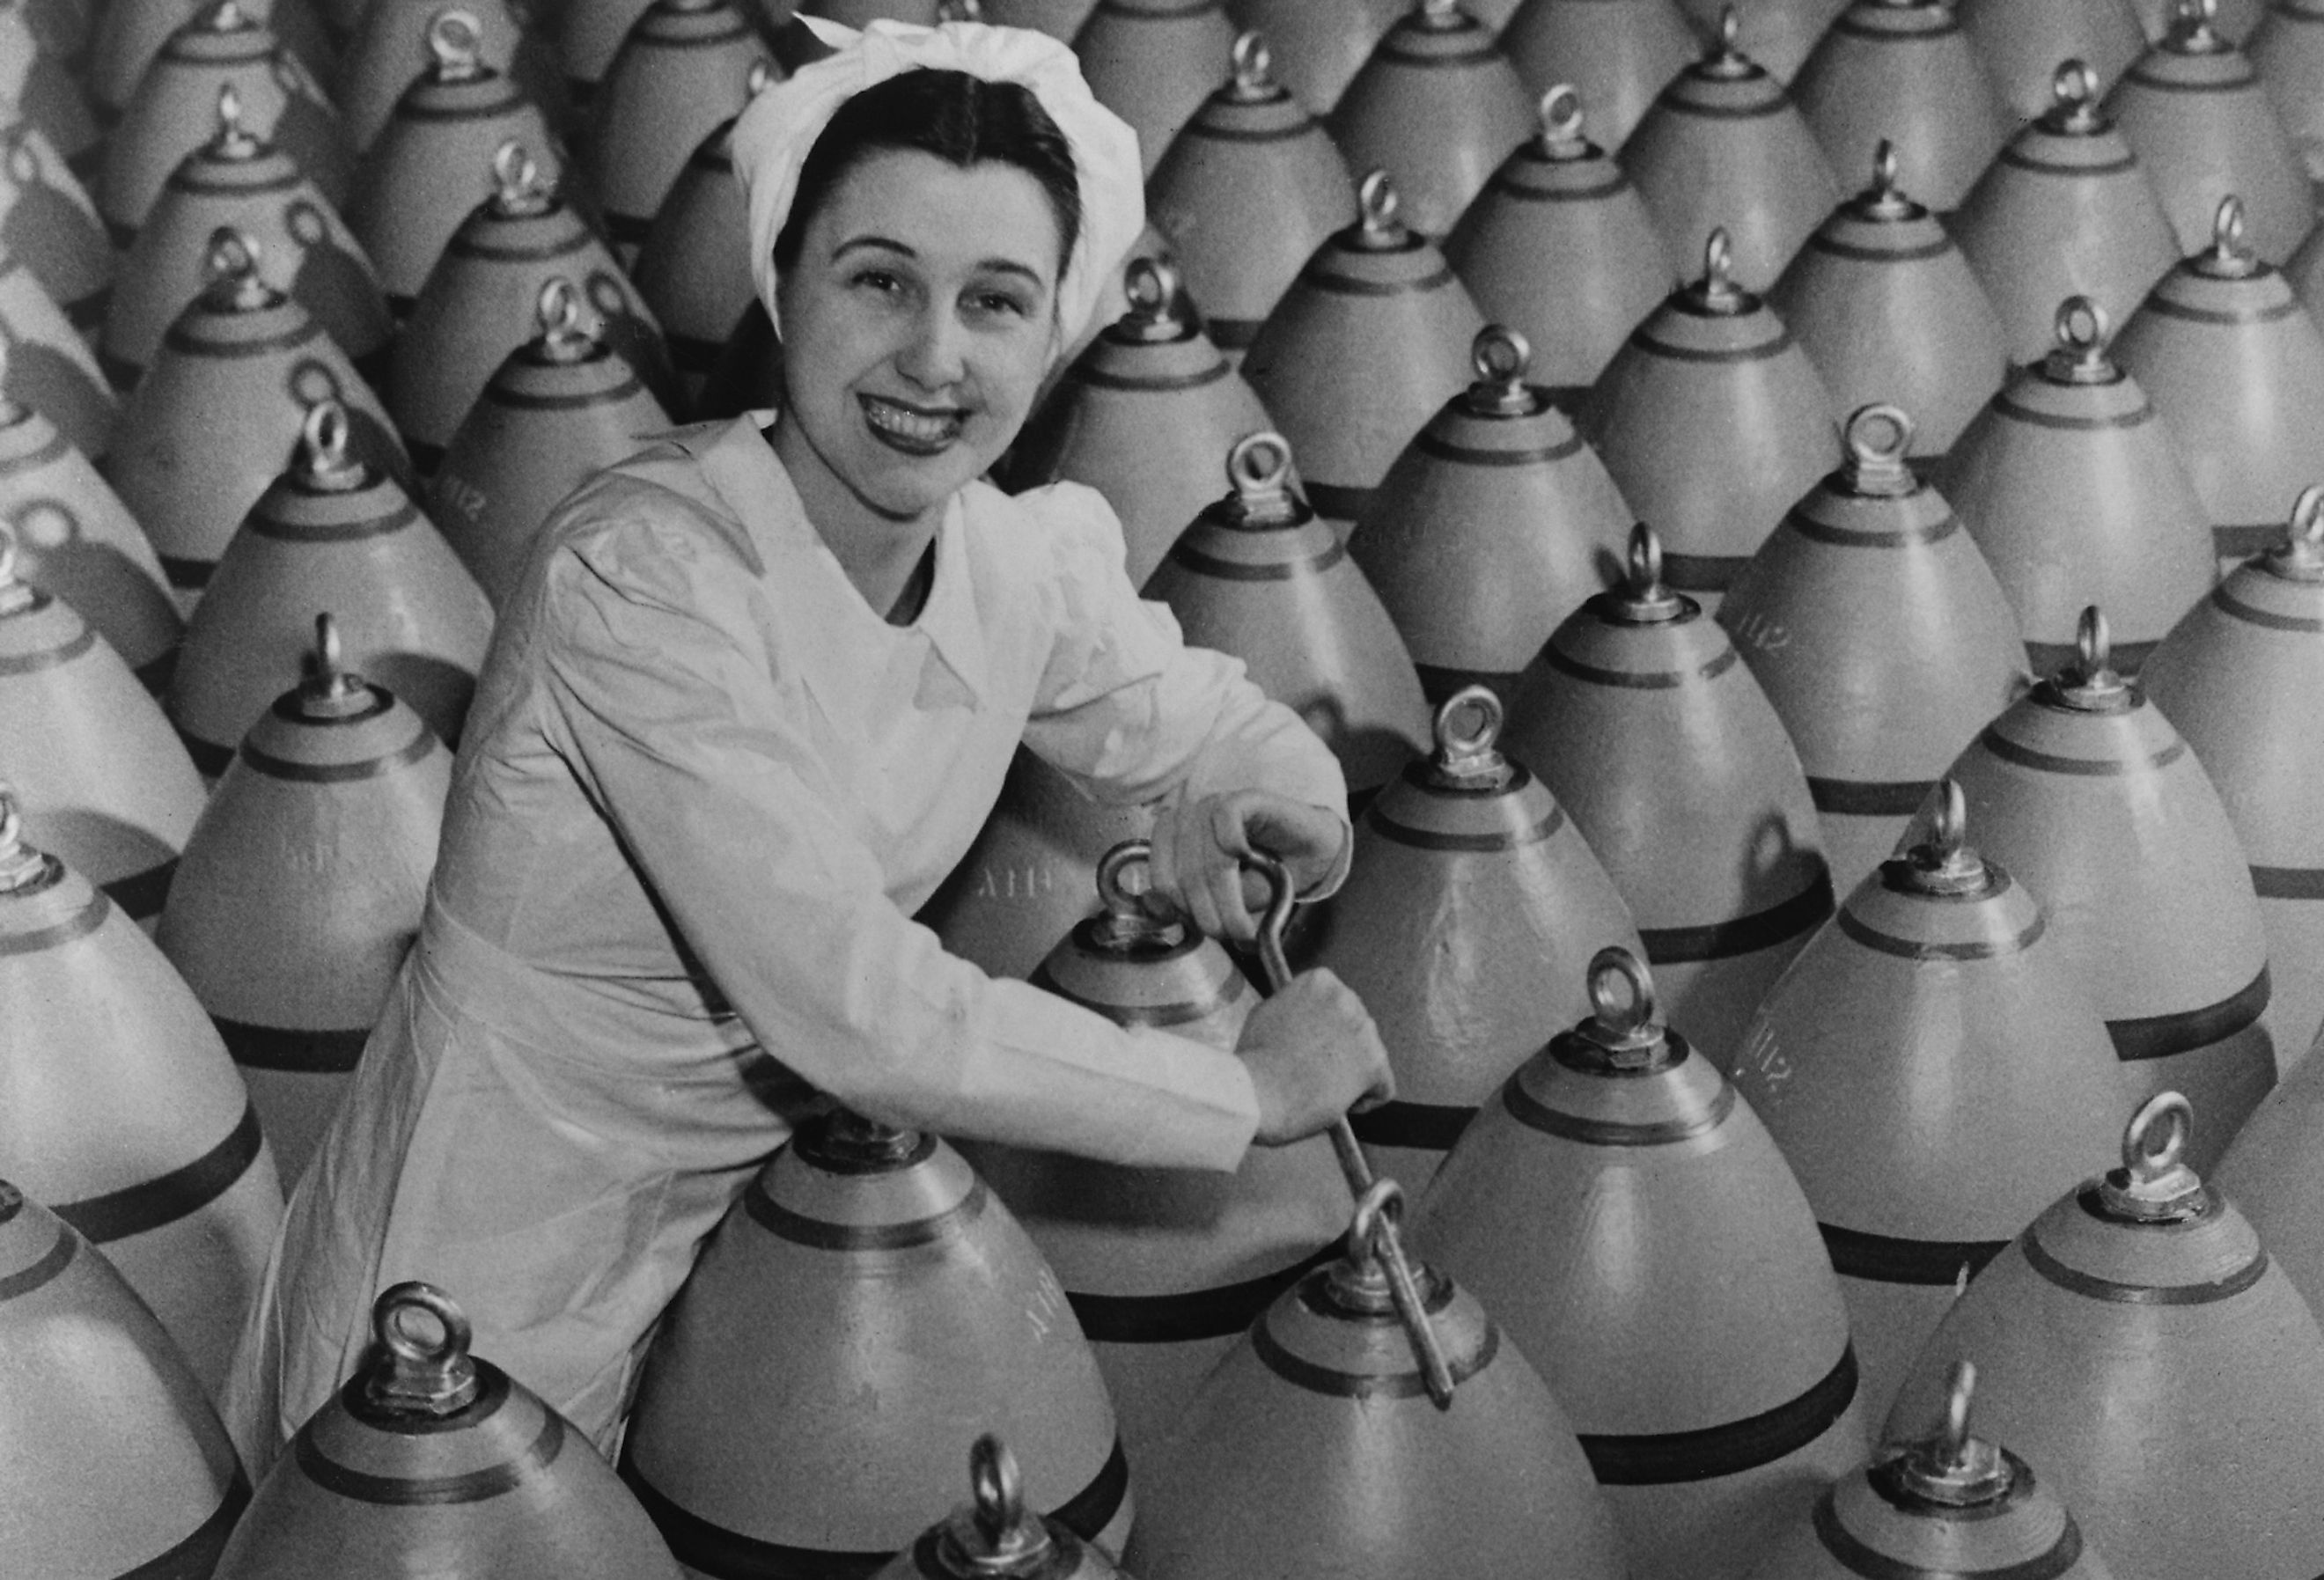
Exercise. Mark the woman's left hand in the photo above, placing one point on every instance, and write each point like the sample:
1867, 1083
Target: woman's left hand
1200, 848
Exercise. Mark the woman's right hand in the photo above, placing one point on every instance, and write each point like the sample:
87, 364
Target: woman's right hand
1313, 1053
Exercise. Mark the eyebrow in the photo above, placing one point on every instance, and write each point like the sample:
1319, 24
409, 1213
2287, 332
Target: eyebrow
889, 244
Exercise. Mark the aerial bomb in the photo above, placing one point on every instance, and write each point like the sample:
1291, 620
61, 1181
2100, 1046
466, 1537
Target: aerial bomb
1642, 719
432, 1460
2084, 791
1260, 576
1471, 902
2065, 210
123, 1109
1880, 637
302, 885
1165, 1268
1438, 106
1370, 339
2238, 675
862, 1262
1559, 246
1495, 524
2139, 1345
2073, 488
1142, 416
1248, 191
1935, 1075
1724, 147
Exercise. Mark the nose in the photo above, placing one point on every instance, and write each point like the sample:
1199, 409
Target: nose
934, 356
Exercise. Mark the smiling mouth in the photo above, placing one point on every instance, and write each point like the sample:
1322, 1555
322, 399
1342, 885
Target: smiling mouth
912, 430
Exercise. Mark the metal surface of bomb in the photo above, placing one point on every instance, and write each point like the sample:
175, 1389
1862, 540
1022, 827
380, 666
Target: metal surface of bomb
2139, 1345
1031, 873
125, 1111
1495, 524
438, 159
330, 532
2234, 364
1664, 751
175, 110
563, 406
1880, 637
1365, 346
54, 369
2204, 127
1780, 32
1725, 148
52, 223
864, 1263
2288, 48
1470, 905
99, 1410
302, 885
1559, 246
1151, 62
1889, 310
684, 72
1891, 1064
2065, 211
2239, 674
1165, 1268
97, 770
305, 249
1248, 190
1142, 416
482, 302
2073, 488
1321, 48
1696, 1333
995, 1537
1348, 1383
390, 53
2021, 41
1438, 106
50, 99
1903, 72
433, 1461
1618, 56
244, 348
1261, 577
74, 537
2086, 793
694, 268
1713, 422
1945, 1504
128, 42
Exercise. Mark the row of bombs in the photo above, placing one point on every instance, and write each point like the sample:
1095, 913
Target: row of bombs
1616, 1344
1248, 190
1912, 321
1712, 417
1828, 736
2170, 933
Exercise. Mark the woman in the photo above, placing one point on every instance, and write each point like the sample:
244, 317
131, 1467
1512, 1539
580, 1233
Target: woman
749, 706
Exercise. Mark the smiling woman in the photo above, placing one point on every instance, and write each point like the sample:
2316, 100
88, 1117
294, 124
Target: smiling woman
747, 705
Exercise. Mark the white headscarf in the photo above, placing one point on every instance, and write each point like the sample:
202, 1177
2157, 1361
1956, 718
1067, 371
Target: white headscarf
774, 134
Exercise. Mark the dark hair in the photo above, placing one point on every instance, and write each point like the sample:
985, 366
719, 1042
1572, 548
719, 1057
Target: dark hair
960, 118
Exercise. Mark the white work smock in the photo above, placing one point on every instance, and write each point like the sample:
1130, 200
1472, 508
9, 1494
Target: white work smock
703, 787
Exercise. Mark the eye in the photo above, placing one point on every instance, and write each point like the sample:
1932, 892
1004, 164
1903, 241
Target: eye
884, 280
993, 301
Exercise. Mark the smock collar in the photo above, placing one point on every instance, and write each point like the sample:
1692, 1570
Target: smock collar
851, 649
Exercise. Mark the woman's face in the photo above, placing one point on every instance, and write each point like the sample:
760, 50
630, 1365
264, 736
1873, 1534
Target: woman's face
917, 324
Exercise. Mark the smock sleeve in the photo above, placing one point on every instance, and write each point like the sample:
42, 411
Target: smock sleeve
671, 707
1129, 712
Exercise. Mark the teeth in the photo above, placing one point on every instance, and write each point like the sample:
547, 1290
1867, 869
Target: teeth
910, 425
